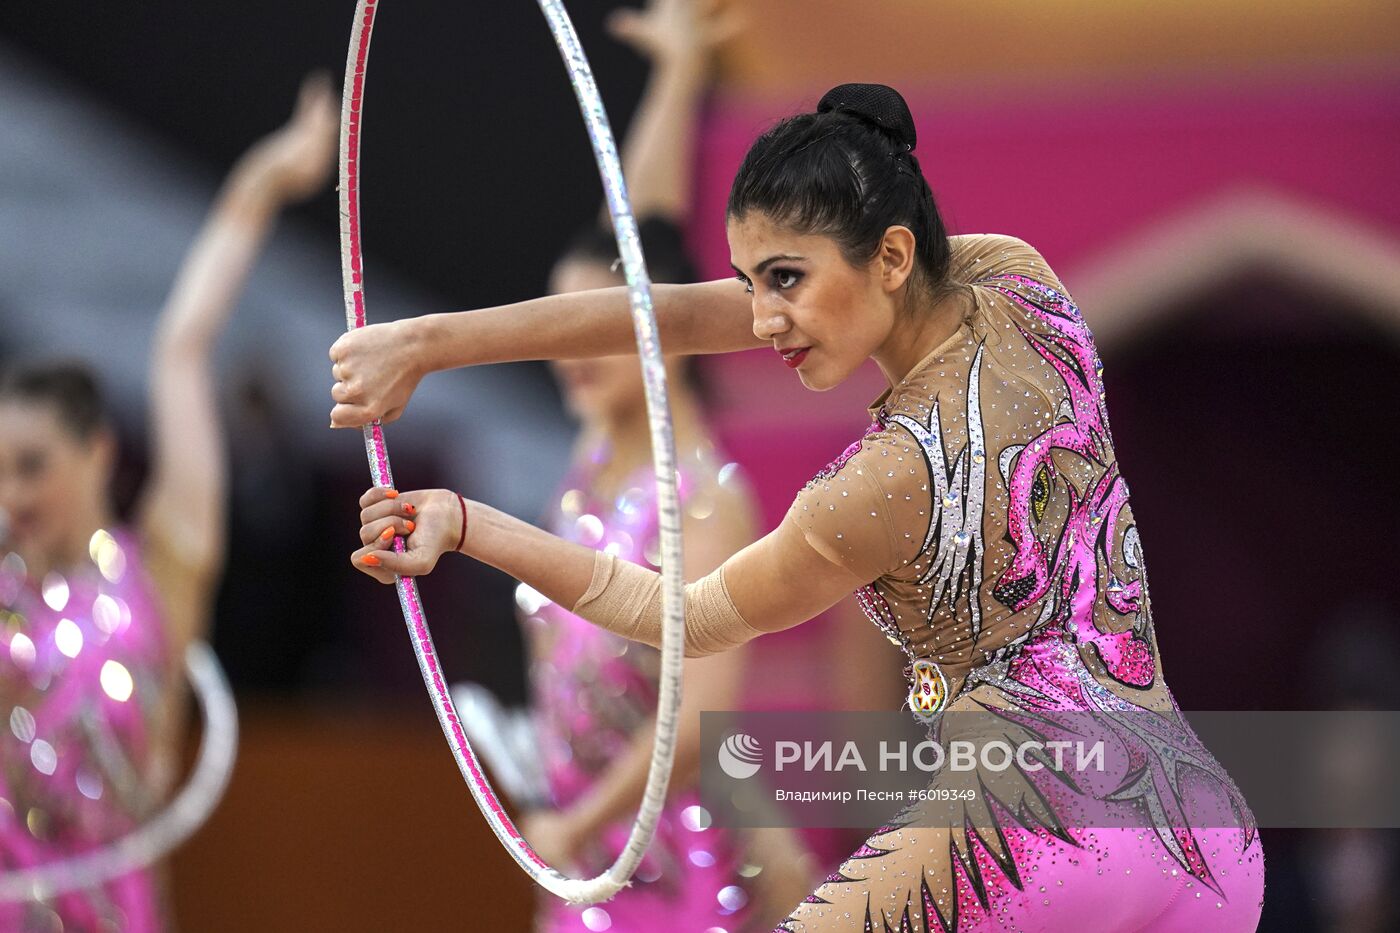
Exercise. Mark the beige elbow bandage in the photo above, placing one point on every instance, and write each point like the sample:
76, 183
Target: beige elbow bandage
626, 599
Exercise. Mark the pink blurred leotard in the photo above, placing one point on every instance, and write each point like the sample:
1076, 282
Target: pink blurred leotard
593, 691
83, 685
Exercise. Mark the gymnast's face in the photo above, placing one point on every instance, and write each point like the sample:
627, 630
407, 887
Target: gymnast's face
47, 476
605, 389
823, 315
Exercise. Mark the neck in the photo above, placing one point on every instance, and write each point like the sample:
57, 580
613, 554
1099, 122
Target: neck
920, 327
628, 435
72, 551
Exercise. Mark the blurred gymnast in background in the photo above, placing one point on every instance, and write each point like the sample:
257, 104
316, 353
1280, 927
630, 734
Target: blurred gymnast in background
594, 692
96, 612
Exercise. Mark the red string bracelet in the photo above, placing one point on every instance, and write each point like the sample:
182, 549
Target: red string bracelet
463, 536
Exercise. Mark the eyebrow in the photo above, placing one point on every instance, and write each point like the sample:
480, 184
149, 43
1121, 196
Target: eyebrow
758, 269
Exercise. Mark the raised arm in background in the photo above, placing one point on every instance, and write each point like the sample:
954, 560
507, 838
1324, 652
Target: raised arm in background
180, 516
679, 37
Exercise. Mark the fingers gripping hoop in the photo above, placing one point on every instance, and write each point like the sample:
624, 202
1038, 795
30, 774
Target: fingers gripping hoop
616, 877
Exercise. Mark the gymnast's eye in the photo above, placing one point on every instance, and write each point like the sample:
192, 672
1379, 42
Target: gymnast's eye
786, 278
748, 286
1040, 492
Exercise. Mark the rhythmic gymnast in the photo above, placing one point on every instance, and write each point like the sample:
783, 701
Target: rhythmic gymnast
982, 521
99, 614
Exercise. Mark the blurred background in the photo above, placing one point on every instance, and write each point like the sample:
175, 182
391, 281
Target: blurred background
1214, 181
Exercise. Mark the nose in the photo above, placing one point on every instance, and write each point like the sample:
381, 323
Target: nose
769, 324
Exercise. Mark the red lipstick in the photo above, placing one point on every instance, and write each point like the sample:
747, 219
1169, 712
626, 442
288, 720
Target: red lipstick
794, 357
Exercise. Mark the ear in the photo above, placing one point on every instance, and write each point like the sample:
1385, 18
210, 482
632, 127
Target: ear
896, 257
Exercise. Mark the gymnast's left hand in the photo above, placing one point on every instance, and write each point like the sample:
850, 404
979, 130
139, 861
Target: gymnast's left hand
376, 369
430, 521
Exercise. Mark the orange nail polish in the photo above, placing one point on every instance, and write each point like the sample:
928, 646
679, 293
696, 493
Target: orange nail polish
410, 525
369, 560
408, 507
386, 534
391, 493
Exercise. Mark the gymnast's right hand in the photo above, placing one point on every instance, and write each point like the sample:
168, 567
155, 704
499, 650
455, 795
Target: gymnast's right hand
432, 522
376, 368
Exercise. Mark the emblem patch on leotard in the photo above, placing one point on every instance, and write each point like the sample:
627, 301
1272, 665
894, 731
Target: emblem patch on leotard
928, 690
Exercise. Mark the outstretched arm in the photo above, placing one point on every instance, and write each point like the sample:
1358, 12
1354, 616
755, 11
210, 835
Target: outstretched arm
840, 534
181, 515
376, 368
775, 583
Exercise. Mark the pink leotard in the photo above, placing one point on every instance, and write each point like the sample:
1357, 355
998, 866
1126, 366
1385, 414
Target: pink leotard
592, 692
83, 687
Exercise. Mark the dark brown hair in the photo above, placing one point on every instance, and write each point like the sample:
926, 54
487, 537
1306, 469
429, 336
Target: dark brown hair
68, 387
847, 172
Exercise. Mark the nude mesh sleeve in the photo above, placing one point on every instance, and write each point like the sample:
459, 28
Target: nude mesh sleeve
625, 599
856, 517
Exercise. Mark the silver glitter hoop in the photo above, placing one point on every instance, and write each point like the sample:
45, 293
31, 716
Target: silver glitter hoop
617, 876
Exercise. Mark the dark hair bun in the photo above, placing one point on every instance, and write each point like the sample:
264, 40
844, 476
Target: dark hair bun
846, 172
874, 103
